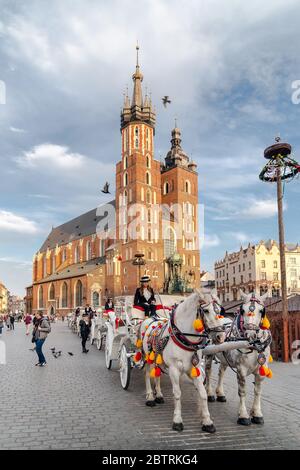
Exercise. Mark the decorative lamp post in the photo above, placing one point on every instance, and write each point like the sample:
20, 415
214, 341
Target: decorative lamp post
139, 261
281, 167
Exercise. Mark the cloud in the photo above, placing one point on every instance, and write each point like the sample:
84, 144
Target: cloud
17, 130
53, 155
211, 241
261, 209
15, 223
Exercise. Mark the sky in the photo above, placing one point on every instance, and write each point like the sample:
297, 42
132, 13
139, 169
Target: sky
229, 69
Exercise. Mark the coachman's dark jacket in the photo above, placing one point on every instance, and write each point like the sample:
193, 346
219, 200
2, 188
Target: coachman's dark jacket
139, 298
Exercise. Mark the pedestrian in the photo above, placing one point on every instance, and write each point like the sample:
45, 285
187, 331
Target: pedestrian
41, 330
1, 324
12, 321
62, 318
27, 321
85, 328
7, 320
109, 305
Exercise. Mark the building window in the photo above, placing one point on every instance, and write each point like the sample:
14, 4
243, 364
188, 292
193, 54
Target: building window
264, 276
148, 197
244, 267
88, 251
78, 294
41, 297
101, 248
125, 179
149, 235
275, 277
96, 299
77, 254
125, 163
148, 161
148, 178
263, 263
293, 261
64, 295
53, 264
188, 187
275, 264
52, 292
64, 255
293, 273
149, 216
249, 264
166, 188
169, 242
136, 139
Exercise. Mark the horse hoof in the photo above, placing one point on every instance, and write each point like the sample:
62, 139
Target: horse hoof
221, 399
210, 428
211, 398
177, 427
159, 400
257, 420
244, 421
150, 403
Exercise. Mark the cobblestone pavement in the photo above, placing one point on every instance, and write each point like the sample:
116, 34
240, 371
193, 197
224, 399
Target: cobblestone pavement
75, 402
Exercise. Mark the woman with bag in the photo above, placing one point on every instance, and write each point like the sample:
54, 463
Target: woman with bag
41, 330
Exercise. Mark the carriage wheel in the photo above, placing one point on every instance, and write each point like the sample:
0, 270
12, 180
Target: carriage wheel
125, 368
108, 361
99, 341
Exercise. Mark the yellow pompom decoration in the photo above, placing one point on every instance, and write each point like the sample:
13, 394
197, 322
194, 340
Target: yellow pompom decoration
152, 373
152, 356
198, 325
265, 324
159, 359
195, 372
270, 358
139, 343
155, 372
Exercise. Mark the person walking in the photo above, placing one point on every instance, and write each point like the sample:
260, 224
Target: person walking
7, 321
27, 321
41, 330
85, 328
1, 324
12, 321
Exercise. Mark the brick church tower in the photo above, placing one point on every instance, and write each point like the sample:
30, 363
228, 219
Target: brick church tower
143, 185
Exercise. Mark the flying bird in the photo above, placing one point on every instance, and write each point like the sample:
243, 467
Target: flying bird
105, 189
70, 354
166, 100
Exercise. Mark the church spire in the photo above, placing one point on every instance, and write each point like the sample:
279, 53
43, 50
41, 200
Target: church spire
137, 98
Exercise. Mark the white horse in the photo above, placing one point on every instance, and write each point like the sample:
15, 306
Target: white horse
248, 325
182, 353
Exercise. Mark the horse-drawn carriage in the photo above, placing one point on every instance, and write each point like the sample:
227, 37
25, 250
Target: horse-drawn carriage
178, 340
99, 328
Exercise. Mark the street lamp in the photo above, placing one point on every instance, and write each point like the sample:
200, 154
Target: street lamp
139, 261
281, 167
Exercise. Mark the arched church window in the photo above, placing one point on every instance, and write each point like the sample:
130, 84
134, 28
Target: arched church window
149, 196
169, 242
166, 188
41, 297
188, 187
77, 254
78, 294
52, 292
148, 161
125, 179
64, 295
148, 178
125, 163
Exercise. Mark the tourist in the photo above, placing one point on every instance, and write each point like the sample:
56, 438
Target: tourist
85, 328
109, 305
41, 330
7, 321
1, 324
12, 321
144, 296
27, 321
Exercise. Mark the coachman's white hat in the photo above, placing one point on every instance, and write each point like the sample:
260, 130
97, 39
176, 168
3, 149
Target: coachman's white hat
145, 279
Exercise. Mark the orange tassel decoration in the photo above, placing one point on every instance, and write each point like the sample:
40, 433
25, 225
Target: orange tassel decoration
159, 359
265, 324
155, 372
152, 356
198, 325
138, 356
264, 371
270, 358
139, 343
195, 372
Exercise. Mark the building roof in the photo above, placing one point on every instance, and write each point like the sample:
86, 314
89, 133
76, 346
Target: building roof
81, 226
75, 270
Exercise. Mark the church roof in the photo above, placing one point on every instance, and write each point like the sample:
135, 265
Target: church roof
75, 270
81, 226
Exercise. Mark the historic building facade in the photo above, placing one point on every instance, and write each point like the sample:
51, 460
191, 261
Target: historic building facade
257, 269
3, 298
155, 214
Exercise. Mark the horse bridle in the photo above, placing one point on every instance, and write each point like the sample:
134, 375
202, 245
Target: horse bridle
201, 314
